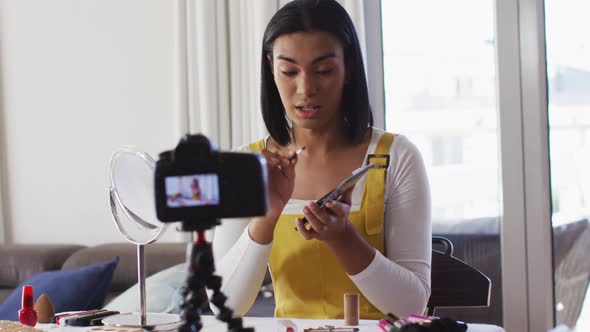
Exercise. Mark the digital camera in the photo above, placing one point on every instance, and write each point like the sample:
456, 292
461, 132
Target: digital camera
195, 183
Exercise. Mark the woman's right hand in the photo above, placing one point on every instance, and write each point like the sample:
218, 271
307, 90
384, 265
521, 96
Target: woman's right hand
281, 180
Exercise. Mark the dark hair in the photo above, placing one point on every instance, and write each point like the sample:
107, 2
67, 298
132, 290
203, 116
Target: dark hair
318, 15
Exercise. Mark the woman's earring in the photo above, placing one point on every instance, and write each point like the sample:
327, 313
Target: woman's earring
346, 122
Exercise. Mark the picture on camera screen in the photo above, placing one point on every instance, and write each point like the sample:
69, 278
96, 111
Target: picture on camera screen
192, 190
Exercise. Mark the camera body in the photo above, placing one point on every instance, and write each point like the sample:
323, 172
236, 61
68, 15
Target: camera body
195, 183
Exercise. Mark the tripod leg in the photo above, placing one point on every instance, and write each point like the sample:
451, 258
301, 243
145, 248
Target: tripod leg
202, 267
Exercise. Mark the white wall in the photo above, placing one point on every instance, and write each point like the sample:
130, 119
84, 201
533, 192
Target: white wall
80, 78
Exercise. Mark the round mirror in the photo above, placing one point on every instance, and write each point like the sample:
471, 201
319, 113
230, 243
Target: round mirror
131, 197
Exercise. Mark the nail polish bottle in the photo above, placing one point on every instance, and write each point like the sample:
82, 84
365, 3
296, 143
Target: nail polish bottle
27, 314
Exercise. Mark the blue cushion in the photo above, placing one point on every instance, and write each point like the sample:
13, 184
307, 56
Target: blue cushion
69, 290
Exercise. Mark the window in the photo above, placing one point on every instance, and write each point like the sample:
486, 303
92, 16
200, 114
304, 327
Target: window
568, 85
439, 66
447, 150
453, 71
440, 91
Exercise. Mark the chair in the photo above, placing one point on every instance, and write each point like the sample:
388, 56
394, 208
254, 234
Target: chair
454, 282
572, 270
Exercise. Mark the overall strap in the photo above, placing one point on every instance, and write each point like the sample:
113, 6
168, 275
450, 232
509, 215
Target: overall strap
375, 188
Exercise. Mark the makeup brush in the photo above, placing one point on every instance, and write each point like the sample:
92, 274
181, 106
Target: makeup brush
297, 152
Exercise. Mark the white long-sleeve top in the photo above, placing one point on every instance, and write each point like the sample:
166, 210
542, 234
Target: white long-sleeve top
396, 282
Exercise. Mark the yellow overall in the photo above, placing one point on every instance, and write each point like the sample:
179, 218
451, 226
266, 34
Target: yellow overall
308, 281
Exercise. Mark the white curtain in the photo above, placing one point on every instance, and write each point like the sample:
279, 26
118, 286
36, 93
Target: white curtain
3, 189
2, 215
224, 41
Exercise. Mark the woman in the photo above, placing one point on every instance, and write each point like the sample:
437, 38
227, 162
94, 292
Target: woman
375, 239
196, 190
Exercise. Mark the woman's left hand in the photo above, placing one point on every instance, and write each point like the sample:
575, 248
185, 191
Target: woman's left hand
326, 224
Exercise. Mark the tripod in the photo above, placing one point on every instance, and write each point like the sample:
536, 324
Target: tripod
201, 269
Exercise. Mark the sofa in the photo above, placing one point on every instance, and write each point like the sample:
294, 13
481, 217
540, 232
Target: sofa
21, 261
18, 262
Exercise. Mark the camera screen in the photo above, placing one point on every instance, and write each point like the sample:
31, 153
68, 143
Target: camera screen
192, 190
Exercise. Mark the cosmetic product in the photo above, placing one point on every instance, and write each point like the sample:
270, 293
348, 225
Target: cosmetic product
298, 152
58, 319
390, 326
63, 321
351, 309
45, 309
27, 314
286, 325
329, 328
386, 326
84, 320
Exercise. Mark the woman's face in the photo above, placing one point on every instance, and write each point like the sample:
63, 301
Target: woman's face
309, 71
